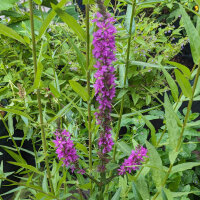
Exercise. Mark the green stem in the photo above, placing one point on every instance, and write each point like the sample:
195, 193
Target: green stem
88, 84
183, 128
44, 143
10, 135
125, 77
188, 108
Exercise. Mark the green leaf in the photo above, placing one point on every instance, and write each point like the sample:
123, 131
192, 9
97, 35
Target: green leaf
128, 19
80, 57
124, 148
168, 194
198, 2
153, 131
158, 174
71, 22
37, 80
150, 2
117, 194
184, 166
144, 64
45, 186
49, 18
88, 2
148, 99
136, 193
54, 90
164, 196
15, 156
4, 30
7, 4
171, 123
81, 91
17, 112
172, 85
192, 34
142, 187
39, 2
181, 67
106, 2
31, 168
62, 112
82, 148
10, 123
184, 84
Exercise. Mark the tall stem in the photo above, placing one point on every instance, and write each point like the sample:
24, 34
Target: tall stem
44, 143
125, 77
188, 108
88, 84
182, 130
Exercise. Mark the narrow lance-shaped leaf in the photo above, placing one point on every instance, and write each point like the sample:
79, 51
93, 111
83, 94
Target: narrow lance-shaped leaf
156, 165
124, 148
29, 167
172, 84
17, 112
192, 34
184, 166
183, 83
80, 90
142, 187
4, 30
80, 57
37, 78
71, 22
128, 19
181, 67
117, 194
136, 194
49, 18
171, 123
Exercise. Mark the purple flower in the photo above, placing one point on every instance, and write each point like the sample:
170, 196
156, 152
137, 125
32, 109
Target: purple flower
133, 161
104, 48
65, 149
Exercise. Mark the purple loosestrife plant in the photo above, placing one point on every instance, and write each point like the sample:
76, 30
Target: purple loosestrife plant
66, 150
133, 161
104, 48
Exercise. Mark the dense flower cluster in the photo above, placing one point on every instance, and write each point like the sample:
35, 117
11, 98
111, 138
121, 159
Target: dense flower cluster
104, 47
134, 160
65, 149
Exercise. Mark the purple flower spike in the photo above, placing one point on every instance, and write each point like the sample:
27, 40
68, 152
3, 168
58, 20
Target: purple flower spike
134, 160
65, 149
104, 48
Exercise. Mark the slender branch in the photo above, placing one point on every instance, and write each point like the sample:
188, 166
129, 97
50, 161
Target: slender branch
44, 143
125, 77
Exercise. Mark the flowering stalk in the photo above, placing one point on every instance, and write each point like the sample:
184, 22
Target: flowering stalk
134, 160
104, 47
66, 151
44, 143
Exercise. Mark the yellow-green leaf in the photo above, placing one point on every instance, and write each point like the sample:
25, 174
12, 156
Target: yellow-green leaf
4, 30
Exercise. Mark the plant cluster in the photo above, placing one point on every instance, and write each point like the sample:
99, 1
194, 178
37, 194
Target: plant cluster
71, 82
